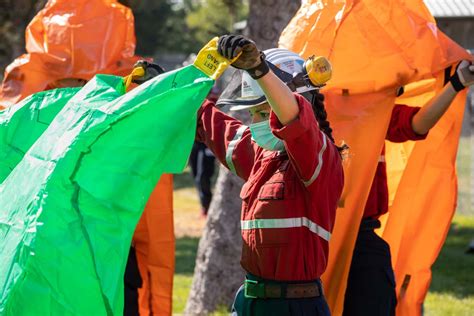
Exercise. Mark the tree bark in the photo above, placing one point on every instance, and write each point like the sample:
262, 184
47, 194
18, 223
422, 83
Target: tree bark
218, 273
268, 18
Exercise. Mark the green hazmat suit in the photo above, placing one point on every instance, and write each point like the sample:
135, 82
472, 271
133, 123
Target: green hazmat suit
69, 204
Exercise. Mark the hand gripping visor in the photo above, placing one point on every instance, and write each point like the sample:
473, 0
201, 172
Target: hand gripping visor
300, 76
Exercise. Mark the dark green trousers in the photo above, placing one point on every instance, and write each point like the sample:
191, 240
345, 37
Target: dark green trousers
243, 306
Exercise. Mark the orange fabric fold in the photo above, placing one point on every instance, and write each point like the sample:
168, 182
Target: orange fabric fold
375, 47
155, 247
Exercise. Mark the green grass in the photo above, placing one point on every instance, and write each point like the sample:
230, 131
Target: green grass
463, 167
451, 291
181, 286
186, 248
452, 287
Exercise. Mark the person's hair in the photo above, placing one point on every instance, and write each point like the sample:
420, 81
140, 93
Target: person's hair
317, 102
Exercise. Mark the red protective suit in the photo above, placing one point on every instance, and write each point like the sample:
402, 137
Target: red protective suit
289, 199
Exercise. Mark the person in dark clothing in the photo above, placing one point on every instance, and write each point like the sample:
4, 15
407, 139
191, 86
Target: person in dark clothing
470, 249
371, 282
202, 163
132, 282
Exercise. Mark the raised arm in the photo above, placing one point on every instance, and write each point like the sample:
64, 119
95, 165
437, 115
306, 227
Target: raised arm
430, 114
279, 96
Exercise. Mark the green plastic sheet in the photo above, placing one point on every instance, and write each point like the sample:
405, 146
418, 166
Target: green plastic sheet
24, 122
70, 203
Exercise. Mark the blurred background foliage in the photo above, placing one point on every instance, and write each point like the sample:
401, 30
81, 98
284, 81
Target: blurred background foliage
161, 26
182, 26
14, 17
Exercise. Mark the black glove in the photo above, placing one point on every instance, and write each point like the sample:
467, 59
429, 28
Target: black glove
151, 71
464, 76
251, 59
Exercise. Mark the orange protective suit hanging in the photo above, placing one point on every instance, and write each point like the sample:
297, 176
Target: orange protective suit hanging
71, 39
154, 243
375, 47
78, 39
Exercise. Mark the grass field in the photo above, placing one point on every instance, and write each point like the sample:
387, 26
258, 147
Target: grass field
452, 287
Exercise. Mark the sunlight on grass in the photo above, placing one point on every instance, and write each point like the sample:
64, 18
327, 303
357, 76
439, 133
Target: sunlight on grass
437, 304
186, 248
452, 288
181, 287
464, 172
186, 200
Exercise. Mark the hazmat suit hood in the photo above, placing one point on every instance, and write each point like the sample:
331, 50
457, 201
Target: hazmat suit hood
71, 39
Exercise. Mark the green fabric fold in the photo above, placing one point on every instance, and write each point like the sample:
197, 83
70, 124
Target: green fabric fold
70, 204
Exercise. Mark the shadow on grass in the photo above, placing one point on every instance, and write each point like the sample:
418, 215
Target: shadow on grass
186, 249
453, 271
183, 180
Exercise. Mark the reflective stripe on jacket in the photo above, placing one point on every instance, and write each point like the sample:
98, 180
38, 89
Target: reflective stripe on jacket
289, 199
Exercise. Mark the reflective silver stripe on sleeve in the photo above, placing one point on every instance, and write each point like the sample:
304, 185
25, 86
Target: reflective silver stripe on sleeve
381, 158
286, 223
231, 147
320, 163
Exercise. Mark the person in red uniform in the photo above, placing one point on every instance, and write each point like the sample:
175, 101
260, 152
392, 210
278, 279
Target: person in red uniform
293, 175
371, 283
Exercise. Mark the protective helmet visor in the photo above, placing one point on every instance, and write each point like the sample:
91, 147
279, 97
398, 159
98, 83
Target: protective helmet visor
243, 92
239, 95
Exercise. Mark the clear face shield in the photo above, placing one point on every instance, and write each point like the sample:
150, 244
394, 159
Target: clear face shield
242, 92
232, 93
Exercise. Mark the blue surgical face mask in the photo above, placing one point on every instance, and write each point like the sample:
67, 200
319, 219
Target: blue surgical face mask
263, 136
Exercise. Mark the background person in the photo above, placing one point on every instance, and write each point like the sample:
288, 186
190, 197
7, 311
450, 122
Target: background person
371, 283
202, 163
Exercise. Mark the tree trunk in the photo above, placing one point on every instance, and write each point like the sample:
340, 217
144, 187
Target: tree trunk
218, 273
268, 18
